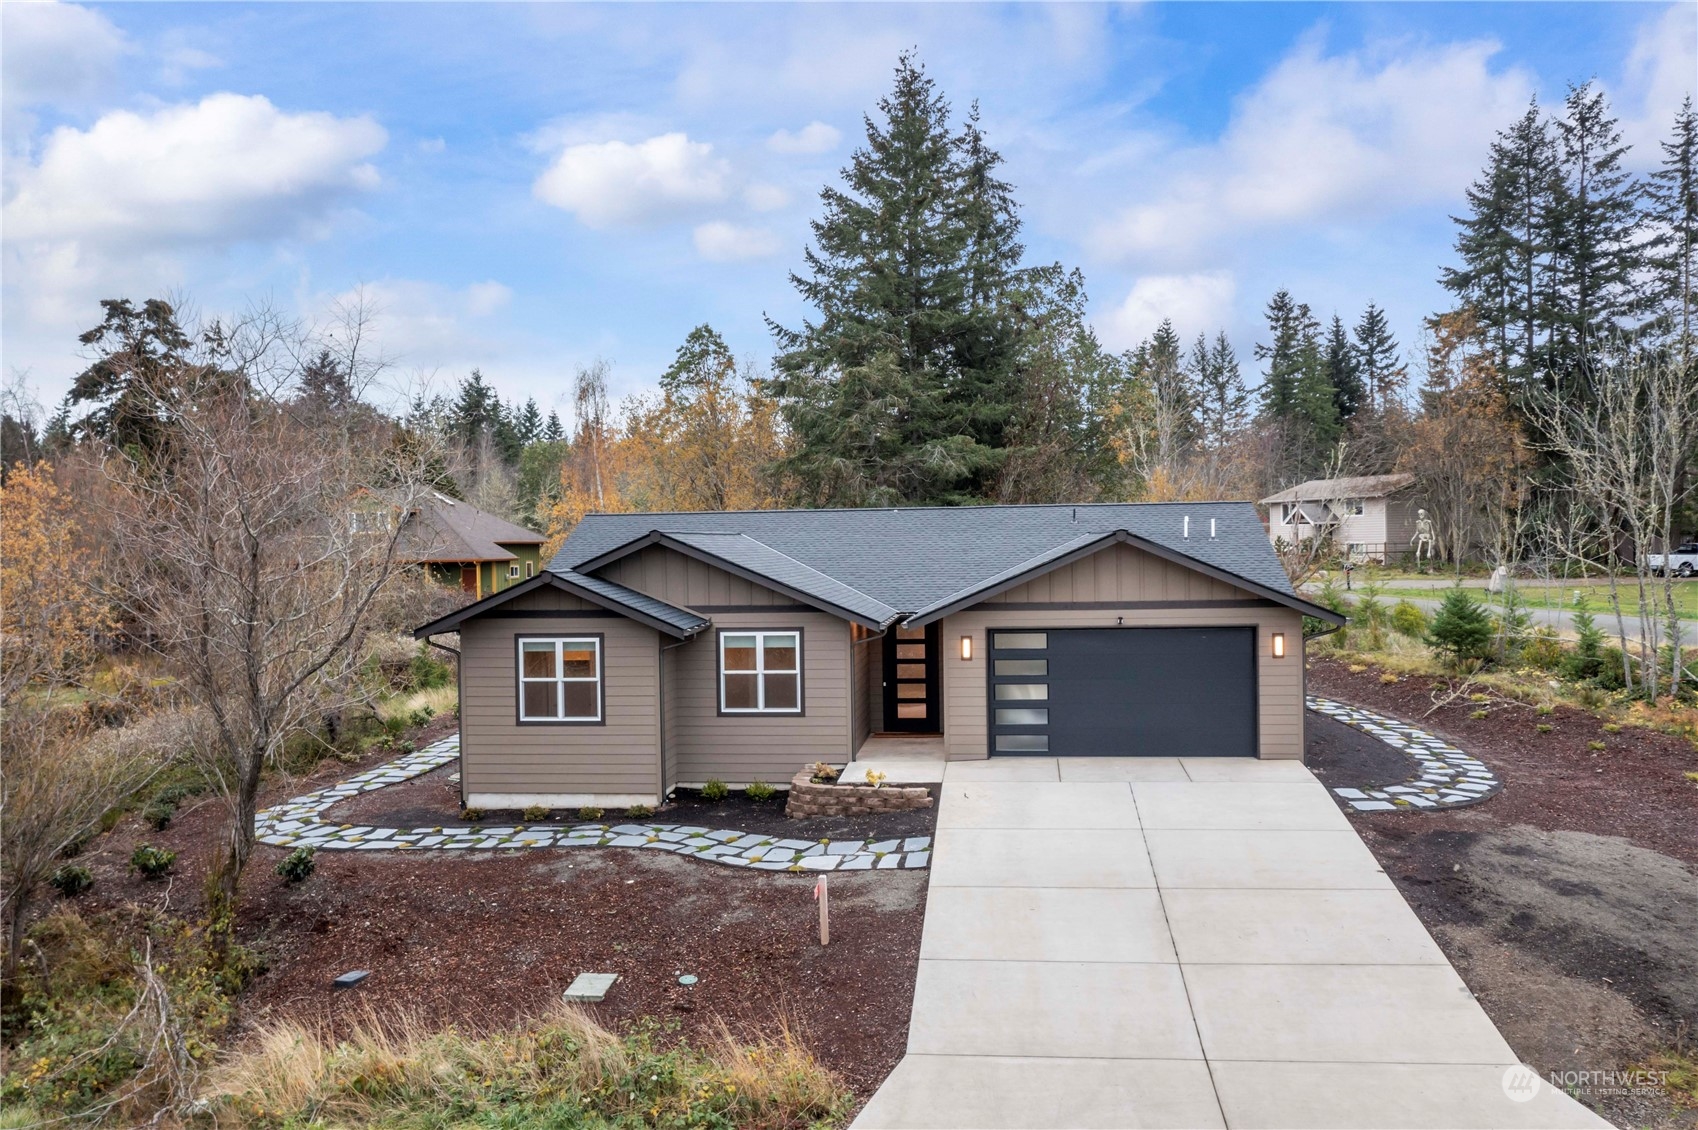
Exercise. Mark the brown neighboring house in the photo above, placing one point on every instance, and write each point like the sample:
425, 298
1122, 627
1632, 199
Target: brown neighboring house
1367, 517
471, 548
660, 650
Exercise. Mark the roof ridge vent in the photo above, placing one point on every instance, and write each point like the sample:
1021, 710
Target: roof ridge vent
1185, 528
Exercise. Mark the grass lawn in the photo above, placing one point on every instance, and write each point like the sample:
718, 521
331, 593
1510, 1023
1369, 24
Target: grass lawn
1561, 595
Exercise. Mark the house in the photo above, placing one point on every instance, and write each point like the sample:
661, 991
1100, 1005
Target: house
1368, 517
660, 650
462, 545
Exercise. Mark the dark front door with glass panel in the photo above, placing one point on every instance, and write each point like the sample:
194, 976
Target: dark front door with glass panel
910, 680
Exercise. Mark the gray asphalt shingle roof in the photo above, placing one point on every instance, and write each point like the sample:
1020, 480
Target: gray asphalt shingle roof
758, 557
910, 558
684, 620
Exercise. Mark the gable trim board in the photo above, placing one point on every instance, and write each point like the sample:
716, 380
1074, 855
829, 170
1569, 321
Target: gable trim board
655, 595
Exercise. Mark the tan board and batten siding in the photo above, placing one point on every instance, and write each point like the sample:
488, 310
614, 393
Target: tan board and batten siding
1116, 581
508, 765
702, 743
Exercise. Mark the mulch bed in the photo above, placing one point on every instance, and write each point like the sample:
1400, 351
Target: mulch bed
1343, 757
1567, 902
433, 800
489, 938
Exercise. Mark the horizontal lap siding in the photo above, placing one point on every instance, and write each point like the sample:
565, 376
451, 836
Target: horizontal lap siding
742, 748
500, 756
864, 645
1124, 573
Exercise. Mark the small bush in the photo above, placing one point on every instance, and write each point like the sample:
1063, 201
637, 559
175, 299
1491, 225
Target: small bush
71, 880
297, 865
535, 813
1388, 678
471, 814
1477, 715
420, 716
1586, 662
1544, 651
1462, 630
1543, 727
824, 774
1544, 708
1596, 745
715, 790
760, 792
428, 672
1611, 728
590, 813
151, 862
1408, 619
158, 814
639, 812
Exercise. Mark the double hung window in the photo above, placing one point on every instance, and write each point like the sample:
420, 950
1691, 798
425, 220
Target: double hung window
560, 679
760, 672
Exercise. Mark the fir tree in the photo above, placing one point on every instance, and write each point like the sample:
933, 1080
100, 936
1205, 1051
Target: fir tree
527, 423
1671, 197
1297, 393
903, 386
1222, 400
1383, 374
1161, 366
1461, 628
141, 370
325, 384
476, 411
1594, 229
553, 431
1343, 372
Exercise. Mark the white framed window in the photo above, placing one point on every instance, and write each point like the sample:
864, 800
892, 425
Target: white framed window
530, 569
560, 679
1355, 507
760, 672
513, 571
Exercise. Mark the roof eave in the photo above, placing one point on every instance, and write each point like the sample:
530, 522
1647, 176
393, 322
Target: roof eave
454, 619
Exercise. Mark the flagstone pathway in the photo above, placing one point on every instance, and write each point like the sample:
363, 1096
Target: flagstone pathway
300, 823
1448, 778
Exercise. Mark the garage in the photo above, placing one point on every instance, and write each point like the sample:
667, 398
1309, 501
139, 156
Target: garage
1123, 692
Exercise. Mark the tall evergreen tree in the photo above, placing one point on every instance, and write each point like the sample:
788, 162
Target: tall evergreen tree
552, 431
140, 371
476, 411
1383, 374
1297, 391
1594, 226
1671, 198
1161, 364
903, 386
1222, 400
326, 385
527, 423
1343, 372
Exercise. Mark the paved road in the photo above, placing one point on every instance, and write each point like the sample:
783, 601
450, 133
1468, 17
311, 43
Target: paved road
1165, 942
1561, 619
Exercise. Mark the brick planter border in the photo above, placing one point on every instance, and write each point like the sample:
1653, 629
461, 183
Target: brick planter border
809, 798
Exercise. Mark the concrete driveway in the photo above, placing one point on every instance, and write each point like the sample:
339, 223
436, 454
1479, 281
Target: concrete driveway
1181, 943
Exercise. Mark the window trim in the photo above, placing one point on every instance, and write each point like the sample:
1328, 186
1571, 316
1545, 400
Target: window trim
513, 571
519, 641
801, 709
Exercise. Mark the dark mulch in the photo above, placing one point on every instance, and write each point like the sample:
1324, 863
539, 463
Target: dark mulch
1569, 901
433, 800
1345, 757
490, 938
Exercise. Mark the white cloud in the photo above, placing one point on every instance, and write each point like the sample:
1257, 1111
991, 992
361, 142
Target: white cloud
765, 197
815, 137
1661, 71
485, 298
724, 242
432, 145
228, 168
55, 53
614, 183
1325, 137
1194, 302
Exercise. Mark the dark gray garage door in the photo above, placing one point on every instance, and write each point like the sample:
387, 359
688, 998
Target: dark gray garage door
1123, 692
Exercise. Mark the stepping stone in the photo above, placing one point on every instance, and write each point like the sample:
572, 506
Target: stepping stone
590, 987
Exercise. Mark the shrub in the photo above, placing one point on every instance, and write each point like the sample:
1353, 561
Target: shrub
471, 815
1407, 619
535, 813
590, 813
1462, 630
297, 865
1388, 678
428, 672
1543, 727
151, 862
715, 790
1596, 745
71, 880
760, 792
639, 812
1586, 662
420, 716
1477, 715
1543, 651
158, 815
824, 774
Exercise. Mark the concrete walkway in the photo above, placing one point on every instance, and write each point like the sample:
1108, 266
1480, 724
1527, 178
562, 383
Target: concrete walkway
1181, 943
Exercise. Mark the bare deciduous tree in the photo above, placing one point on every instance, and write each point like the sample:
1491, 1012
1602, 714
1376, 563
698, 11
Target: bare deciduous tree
1625, 443
254, 550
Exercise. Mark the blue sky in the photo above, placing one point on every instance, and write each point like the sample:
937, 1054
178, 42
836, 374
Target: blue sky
525, 188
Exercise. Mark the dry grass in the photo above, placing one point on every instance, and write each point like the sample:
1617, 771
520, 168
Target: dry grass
437, 700
562, 1068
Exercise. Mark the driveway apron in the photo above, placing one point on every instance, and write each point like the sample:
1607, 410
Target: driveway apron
1178, 942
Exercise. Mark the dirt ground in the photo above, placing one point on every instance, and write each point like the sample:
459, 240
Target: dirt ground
1569, 902
487, 938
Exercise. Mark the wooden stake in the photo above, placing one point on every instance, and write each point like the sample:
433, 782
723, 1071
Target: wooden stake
822, 894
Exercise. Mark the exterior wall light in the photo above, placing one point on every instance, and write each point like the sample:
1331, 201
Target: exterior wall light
1279, 645
966, 647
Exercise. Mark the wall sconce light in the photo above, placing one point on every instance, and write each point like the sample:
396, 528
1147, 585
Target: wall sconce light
966, 647
1279, 645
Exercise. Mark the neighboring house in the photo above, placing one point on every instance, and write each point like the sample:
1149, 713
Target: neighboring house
660, 650
1368, 517
464, 546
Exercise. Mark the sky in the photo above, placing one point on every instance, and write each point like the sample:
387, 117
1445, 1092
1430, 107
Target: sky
528, 188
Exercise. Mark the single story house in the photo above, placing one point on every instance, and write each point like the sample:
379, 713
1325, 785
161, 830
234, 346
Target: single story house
464, 546
659, 650
1368, 517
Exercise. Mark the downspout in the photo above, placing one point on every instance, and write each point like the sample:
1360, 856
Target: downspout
459, 707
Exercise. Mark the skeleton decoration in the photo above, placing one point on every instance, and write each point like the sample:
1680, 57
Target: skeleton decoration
1425, 538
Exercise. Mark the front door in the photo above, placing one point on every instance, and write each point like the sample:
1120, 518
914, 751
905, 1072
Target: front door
910, 680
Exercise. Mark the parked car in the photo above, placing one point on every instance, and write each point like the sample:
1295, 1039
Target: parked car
1683, 561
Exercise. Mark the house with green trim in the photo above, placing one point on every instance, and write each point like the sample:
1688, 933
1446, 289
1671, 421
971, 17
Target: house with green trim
468, 548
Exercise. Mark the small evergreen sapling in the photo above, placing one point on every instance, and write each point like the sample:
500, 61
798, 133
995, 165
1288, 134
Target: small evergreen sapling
1462, 629
297, 865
